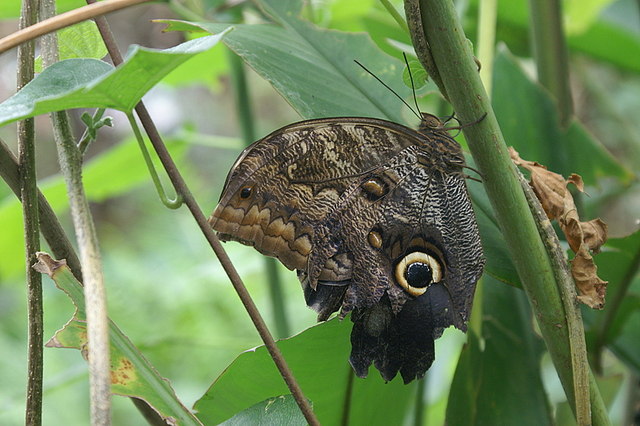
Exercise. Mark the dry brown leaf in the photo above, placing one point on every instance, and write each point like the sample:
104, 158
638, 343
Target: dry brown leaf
557, 202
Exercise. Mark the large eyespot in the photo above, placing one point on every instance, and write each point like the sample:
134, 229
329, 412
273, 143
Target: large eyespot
246, 192
416, 271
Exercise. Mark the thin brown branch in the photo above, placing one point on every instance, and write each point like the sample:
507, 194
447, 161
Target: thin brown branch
64, 20
182, 188
29, 198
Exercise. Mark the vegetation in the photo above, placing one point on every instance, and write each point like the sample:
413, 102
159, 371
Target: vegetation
173, 313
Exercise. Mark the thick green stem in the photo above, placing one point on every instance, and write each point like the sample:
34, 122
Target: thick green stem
245, 117
29, 198
454, 59
550, 53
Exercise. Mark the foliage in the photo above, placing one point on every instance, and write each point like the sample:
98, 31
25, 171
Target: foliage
172, 299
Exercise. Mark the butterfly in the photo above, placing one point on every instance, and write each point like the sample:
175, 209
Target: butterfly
375, 218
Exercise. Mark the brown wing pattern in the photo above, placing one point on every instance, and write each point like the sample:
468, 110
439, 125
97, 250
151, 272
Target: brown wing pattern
377, 221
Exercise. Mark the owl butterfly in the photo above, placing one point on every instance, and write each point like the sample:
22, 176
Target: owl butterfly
376, 219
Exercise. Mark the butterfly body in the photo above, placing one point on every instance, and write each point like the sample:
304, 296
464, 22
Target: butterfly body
376, 219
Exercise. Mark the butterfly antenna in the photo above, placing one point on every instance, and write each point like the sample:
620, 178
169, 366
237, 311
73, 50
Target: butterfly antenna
387, 86
413, 86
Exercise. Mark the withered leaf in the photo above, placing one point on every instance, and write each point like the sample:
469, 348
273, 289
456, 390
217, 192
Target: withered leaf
583, 237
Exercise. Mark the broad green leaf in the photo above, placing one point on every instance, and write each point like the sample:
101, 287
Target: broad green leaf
108, 175
314, 69
280, 410
82, 40
131, 374
89, 83
499, 382
529, 122
319, 360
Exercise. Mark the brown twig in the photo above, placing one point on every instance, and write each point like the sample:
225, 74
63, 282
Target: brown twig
64, 20
29, 198
182, 188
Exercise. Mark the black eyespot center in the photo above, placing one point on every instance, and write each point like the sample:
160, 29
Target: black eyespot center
246, 192
419, 274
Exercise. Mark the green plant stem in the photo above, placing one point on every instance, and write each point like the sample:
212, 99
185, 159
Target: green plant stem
566, 285
550, 53
95, 294
245, 116
169, 203
487, 40
29, 199
451, 53
181, 188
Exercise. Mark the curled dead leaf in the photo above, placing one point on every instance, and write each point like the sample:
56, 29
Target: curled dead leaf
47, 265
583, 237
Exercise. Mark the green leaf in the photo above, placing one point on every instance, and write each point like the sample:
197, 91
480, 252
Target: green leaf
108, 175
529, 121
499, 382
89, 83
82, 40
314, 69
131, 374
318, 357
280, 410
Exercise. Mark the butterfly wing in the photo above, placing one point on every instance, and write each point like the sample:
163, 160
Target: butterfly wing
425, 223
362, 208
282, 187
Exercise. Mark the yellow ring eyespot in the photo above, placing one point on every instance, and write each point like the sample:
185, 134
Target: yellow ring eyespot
416, 271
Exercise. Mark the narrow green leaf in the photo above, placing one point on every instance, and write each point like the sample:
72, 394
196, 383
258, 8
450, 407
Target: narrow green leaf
89, 83
280, 410
318, 357
131, 374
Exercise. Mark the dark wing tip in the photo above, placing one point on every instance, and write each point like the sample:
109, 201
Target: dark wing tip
400, 343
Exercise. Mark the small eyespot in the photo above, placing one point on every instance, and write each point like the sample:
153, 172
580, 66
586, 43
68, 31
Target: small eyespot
375, 188
416, 271
375, 238
246, 192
